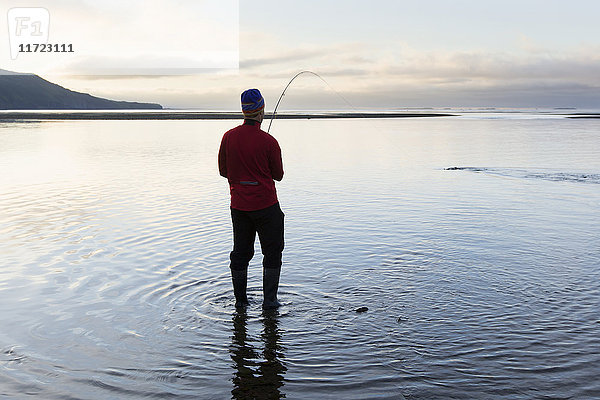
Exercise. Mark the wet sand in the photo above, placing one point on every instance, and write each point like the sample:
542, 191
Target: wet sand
183, 115
584, 115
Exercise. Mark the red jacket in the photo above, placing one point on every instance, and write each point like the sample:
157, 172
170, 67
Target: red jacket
250, 159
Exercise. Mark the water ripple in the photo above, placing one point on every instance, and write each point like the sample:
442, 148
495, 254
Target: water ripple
117, 284
576, 177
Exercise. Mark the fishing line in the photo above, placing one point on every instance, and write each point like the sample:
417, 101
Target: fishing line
274, 115
374, 122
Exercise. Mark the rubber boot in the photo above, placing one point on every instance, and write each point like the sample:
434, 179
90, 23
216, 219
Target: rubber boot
240, 282
270, 286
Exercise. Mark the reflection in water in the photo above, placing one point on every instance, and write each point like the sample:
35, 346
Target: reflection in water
114, 245
255, 378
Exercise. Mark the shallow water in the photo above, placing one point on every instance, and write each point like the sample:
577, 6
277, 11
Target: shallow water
480, 282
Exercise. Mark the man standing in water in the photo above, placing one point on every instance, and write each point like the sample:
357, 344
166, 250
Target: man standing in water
250, 159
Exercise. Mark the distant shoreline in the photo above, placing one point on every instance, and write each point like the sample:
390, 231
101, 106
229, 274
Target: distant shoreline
178, 115
583, 115
64, 115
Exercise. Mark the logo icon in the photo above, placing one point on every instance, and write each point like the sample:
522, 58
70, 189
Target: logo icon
27, 25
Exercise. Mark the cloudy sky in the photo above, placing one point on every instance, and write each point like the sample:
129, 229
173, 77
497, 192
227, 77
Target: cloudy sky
390, 54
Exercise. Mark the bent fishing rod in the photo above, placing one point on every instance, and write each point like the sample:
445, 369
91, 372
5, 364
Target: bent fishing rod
274, 115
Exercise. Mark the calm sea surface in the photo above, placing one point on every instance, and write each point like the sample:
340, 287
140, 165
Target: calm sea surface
481, 282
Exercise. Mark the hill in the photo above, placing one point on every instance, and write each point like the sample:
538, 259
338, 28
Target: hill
30, 92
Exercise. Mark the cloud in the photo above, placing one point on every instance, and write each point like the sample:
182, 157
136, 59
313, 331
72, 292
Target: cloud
498, 67
394, 76
287, 57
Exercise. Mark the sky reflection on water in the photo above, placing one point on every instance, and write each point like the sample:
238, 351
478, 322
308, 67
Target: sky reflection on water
480, 283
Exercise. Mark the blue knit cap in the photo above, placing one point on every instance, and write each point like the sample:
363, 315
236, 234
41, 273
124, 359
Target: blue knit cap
252, 102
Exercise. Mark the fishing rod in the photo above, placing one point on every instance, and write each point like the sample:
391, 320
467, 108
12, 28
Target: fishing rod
274, 115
